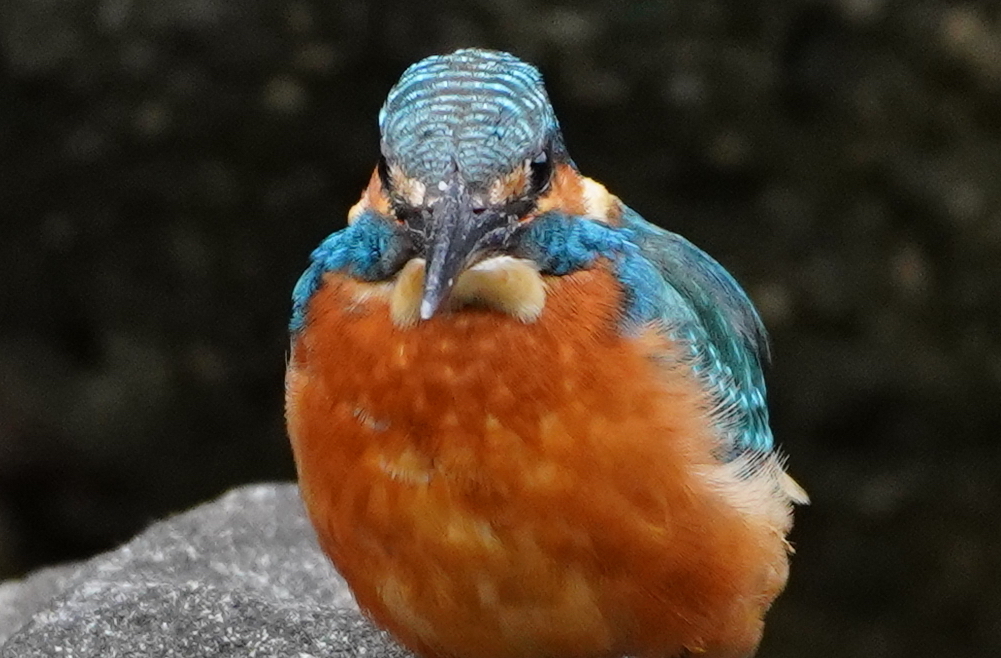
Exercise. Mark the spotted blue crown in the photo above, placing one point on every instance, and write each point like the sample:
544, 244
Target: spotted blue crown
481, 111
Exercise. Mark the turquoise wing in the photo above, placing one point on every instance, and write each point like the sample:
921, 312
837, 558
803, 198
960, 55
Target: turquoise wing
707, 310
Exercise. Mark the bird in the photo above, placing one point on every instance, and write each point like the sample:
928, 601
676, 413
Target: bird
526, 422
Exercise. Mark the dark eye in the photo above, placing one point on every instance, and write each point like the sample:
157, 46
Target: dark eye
413, 218
541, 172
384, 173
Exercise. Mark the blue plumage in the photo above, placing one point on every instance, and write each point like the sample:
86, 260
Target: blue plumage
370, 249
561, 244
484, 112
729, 338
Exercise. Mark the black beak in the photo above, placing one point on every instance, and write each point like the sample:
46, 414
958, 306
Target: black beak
456, 234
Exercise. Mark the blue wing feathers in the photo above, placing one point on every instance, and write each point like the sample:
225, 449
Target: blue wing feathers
727, 338
693, 270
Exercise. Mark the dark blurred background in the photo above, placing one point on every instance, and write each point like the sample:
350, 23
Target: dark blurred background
167, 165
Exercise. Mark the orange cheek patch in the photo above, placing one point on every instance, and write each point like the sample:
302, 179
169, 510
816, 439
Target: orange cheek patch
372, 198
565, 193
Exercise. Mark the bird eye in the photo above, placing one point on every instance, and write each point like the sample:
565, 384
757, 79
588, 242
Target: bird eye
541, 171
383, 169
413, 218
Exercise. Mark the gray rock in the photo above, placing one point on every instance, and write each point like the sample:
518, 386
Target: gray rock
240, 576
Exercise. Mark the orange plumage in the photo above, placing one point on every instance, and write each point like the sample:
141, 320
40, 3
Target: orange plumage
498, 489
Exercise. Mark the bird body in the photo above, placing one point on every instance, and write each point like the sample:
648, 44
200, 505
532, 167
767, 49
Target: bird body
525, 421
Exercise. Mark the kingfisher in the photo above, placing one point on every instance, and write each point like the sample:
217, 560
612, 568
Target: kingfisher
527, 423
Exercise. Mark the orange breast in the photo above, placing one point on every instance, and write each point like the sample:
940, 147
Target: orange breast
497, 489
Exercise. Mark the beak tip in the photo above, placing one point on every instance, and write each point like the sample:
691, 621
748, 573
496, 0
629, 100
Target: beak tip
427, 309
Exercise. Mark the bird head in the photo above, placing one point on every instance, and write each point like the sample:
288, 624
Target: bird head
469, 145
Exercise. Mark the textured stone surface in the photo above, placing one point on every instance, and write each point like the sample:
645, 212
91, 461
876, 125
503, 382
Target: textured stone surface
241, 576
167, 165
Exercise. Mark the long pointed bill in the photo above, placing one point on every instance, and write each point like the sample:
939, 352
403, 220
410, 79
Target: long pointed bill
454, 234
